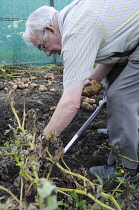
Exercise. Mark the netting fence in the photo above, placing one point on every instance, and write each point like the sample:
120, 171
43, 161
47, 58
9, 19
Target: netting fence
13, 50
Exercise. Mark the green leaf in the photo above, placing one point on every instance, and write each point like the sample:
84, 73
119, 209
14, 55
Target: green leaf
7, 144
61, 203
75, 195
22, 173
100, 180
3, 70
81, 205
45, 189
120, 179
21, 163
52, 203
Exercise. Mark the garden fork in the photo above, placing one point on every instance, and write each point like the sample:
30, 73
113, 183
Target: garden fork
86, 124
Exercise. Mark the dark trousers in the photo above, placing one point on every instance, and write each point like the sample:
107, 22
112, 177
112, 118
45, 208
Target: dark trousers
123, 111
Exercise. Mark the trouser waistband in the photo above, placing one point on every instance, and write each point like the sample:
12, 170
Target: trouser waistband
126, 53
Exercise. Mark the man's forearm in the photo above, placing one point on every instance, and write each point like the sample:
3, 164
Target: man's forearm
101, 71
61, 118
66, 109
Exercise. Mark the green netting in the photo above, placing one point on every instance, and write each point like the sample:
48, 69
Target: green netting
13, 14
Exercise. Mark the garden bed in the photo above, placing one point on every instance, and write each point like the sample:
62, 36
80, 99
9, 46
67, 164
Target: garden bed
91, 149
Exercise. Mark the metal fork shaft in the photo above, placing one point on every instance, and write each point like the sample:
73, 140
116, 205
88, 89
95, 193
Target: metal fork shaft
86, 124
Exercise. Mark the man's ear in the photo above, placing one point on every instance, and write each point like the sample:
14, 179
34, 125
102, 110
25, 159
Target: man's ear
50, 29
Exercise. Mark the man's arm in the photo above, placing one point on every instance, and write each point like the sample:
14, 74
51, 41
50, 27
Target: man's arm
70, 102
101, 71
65, 110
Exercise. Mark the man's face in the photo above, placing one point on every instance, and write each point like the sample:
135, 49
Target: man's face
48, 40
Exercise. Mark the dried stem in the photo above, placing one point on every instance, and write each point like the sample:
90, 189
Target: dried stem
10, 193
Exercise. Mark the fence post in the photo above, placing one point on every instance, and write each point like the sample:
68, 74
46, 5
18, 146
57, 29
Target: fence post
54, 56
52, 3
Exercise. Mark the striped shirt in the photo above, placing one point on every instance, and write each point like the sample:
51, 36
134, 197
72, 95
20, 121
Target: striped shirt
92, 31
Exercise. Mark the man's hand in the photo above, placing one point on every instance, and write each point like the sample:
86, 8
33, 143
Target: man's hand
92, 88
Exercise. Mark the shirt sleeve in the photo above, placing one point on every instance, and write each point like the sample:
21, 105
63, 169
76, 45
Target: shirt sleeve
79, 53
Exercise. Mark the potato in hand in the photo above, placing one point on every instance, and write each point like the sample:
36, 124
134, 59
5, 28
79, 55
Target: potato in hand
92, 88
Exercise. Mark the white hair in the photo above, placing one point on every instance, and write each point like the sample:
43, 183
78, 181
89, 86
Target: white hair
40, 18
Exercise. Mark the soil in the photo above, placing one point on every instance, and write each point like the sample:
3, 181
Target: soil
91, 149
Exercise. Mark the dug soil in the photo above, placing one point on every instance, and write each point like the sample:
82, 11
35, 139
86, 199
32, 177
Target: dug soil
91, 149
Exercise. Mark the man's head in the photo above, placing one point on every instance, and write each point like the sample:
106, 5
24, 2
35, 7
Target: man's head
42, 30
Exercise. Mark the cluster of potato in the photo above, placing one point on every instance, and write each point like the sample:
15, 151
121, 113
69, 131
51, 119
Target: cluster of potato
91, 89
89, 104
25, 82
86, 104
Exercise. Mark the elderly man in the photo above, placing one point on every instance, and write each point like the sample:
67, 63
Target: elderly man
105, 32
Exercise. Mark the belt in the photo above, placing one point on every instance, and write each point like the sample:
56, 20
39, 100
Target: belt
126, 53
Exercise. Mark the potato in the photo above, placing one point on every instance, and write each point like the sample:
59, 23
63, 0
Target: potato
25, 79
11, 83
26, 85
14, 86
93, 88
52, 108
90, 100
6, 89
52, 90
49, 76
86, 106
15, 81
94, 106
49, 82
33, 77
21, 85
43, 88
33, 84
18, 80
100, 102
